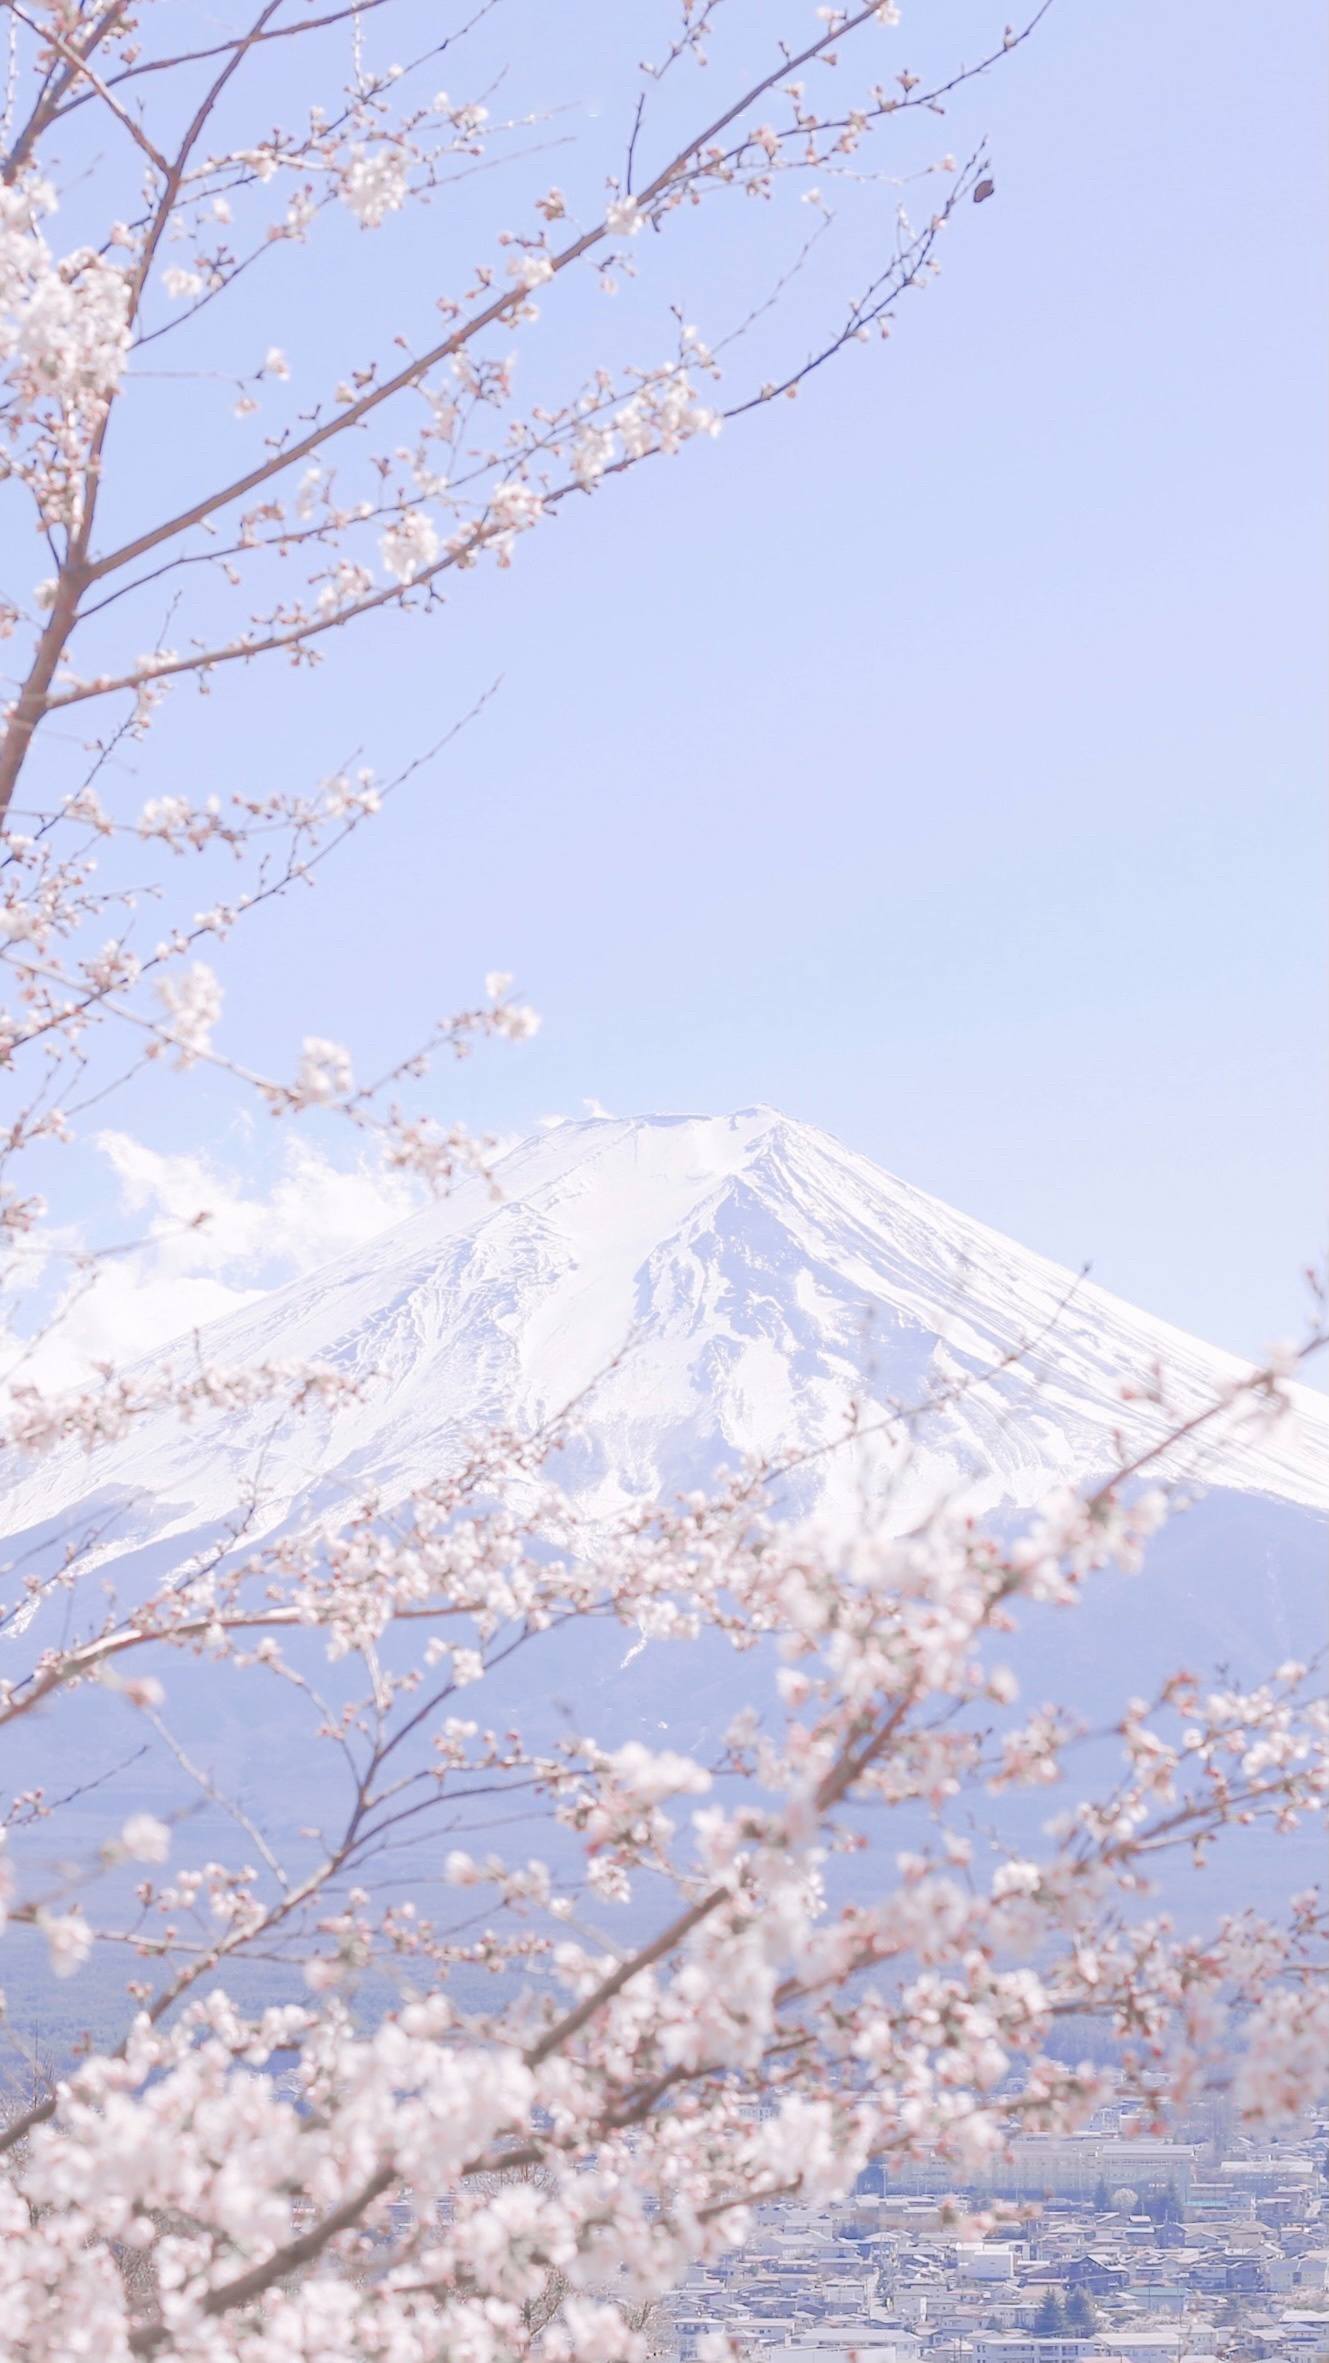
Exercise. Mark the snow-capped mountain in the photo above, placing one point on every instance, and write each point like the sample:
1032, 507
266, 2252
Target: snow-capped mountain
700, 1289
697, 1289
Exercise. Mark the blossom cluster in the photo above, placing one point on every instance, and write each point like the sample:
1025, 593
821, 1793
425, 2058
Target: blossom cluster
64, 336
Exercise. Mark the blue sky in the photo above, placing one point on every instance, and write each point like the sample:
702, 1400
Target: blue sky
938, 757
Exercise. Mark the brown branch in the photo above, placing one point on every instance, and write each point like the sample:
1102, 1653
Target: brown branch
307, 2245
413, 371
902, 274
33, 701
197, 57
54, 89
82, 67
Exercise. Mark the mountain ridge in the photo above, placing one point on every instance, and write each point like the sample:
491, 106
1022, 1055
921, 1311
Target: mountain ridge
698, 1290
702, 1289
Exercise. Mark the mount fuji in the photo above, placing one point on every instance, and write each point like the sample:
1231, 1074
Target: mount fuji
698, 1290
689, 1291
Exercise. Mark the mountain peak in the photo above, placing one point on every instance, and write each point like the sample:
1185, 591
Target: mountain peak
703, 1288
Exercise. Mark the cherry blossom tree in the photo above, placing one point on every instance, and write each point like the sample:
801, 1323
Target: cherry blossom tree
384, 2089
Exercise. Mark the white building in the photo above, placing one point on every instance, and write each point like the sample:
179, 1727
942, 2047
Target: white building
985, 2260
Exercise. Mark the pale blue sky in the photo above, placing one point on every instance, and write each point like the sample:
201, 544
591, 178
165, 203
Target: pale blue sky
937, 758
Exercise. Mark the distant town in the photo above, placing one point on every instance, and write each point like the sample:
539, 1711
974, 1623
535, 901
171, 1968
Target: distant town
1108, 2247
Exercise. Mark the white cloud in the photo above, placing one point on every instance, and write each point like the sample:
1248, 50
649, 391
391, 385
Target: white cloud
313, 1210
200, 1244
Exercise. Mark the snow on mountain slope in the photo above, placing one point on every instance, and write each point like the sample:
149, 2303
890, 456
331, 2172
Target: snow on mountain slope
708, 1288
703, 1289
